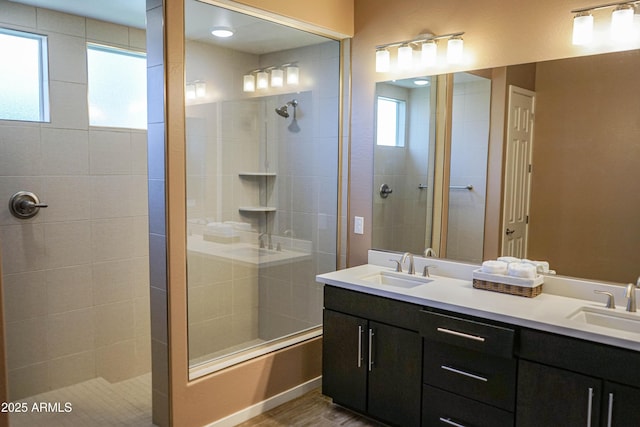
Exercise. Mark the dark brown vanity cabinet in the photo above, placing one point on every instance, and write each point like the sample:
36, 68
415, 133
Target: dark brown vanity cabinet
571, 382
469, 372
372, 356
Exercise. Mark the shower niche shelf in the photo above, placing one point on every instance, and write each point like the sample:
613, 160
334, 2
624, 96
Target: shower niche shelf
248, 209
256, 174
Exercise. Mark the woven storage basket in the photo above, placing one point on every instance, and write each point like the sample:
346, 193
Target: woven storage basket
523, 291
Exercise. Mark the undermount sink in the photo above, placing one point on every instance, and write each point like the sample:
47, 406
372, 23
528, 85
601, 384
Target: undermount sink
400, 280
608, 318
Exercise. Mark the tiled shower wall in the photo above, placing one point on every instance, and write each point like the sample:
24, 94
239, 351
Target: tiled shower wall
469, 147
76, 276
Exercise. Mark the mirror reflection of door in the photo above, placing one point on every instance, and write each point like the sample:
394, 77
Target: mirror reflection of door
470, 110
517, 179
404, 160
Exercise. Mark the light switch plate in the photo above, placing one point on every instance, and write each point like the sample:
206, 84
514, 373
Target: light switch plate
358, 225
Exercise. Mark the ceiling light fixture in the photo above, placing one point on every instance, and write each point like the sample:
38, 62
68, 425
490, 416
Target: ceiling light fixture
222, 32
583, 28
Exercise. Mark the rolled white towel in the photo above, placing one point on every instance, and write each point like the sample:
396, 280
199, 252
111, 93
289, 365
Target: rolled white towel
521, 269
541, 266
509, 259
494, 267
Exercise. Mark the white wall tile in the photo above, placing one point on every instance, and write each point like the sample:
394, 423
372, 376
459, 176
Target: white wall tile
109, 152
112, 282
67, 58
23, 248
114, 322
67, 243
17, 14
68, 104
28, 381
20, 148
59, 22
68, 198
110, 196
71, 369
9, 185
70, 332
65, 152
107, 32
69, 288
27, 294
110, 239
26, 342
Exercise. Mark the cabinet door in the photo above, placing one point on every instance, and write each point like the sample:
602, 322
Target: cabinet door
394, 378
344, 368
554, 397
621, 406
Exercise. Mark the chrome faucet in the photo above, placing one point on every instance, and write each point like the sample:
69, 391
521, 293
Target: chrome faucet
261, 240
412, 268
429, 252
631, 295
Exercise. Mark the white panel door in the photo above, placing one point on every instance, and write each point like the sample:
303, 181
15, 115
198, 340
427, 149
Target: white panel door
518, 172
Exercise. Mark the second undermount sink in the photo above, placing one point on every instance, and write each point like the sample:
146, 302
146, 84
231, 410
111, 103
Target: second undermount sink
397, 279
608, 318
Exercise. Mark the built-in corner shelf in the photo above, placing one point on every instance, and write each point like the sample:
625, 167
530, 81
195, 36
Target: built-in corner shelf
256, 209
256, 174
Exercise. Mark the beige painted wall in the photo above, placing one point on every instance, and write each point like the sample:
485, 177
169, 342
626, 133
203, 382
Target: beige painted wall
210, 398
584, 204
498, 33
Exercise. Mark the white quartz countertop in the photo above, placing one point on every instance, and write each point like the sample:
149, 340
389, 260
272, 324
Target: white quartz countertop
546, 312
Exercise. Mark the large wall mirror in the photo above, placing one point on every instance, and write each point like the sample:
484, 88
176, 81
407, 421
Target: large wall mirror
581, 213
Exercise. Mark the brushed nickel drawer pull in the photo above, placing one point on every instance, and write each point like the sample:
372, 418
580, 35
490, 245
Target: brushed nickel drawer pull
461, 334
610, 411
466, 374
359, 346
589, 407
451, 423
371, 334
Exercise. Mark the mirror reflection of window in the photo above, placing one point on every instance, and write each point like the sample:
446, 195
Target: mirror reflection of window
390, 122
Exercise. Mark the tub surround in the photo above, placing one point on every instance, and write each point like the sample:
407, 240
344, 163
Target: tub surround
452, 290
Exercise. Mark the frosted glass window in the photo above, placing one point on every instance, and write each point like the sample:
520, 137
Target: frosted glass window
117, 87
24, 88
390, 122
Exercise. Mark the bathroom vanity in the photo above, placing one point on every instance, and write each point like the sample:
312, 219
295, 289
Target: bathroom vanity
435, 351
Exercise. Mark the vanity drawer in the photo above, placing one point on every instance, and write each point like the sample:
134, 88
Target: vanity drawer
482, 337
485, 378
441, 408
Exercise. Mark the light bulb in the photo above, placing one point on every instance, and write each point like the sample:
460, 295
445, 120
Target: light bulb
277, 77
622, 23
405, 57
383, 60
293, 75
429, 54
263, 80
583, 28
249, 83
455, 49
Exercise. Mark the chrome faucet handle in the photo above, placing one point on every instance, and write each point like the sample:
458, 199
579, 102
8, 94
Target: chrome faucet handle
429, 252
398, 265
611, 302
425, 271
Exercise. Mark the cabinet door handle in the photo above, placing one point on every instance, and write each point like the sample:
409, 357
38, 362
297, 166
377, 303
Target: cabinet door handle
589, 406
450, 422
466, 374
371, 334
359, 346
610, 411
461, 334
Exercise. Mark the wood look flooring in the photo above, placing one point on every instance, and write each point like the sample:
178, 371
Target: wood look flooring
310, 410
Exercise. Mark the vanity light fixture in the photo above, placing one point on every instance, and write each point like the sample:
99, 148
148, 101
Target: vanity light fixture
583, 28
190, 91
249, 83
383, 60
455, 50
428, 51
622, 22
272, 76
196, 89
277, 77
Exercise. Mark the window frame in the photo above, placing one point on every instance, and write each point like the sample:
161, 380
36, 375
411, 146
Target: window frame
400, 119
119, 50
43, 73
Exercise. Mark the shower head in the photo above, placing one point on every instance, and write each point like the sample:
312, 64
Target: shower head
282, 111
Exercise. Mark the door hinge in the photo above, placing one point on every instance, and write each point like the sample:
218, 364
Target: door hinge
526, 220
530, 167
